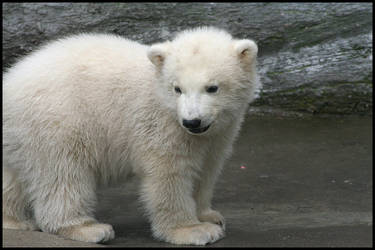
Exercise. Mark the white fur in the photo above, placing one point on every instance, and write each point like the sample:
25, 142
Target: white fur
92, 108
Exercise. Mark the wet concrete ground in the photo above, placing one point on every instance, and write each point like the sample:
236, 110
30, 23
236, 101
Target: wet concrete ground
303, 182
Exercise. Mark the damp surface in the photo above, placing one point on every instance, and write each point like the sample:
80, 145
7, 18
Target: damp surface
291, 181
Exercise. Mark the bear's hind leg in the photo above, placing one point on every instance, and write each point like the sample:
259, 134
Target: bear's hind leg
14, 203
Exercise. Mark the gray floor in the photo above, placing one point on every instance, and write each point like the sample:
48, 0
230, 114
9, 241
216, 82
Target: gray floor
305, 182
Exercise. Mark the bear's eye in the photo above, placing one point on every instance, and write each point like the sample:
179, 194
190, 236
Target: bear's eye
211, 89
177, 90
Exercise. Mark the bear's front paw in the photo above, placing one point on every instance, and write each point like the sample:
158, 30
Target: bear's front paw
199, 234
93, 232
212, 216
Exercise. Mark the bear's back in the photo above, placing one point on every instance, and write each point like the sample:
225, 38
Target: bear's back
83, 55
72, 82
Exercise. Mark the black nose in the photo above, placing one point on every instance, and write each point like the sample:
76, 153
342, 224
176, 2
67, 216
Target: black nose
195, 123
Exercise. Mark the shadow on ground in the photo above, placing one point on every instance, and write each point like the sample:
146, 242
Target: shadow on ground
303, 182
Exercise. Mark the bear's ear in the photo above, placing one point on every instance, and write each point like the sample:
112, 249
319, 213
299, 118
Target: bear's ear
246, 49
157, 53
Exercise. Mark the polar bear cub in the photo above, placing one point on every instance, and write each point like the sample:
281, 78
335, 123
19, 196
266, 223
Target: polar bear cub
90, 109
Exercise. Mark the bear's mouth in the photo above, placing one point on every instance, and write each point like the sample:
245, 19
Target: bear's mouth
199, 130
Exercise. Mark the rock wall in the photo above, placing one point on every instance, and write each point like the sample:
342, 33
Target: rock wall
313, 57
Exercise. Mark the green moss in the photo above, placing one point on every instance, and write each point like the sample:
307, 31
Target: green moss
327, 99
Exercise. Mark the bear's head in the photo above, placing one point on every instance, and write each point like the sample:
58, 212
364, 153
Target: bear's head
206, 77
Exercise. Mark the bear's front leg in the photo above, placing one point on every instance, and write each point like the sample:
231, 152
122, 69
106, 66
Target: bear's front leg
169, 200
64, 203
203, 191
